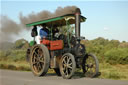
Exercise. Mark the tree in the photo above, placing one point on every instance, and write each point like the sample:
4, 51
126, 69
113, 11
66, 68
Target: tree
21, 43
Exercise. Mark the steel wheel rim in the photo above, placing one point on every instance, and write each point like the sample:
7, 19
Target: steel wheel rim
67, 65
90, 66
37, 60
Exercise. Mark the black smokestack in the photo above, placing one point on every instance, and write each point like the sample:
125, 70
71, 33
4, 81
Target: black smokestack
77, 24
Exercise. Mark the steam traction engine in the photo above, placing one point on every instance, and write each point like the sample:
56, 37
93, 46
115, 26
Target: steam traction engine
63, 53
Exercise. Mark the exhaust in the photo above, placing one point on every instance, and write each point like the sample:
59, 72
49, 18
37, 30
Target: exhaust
77, 22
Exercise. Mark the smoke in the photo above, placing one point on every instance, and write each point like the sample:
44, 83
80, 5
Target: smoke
46, 14
34, 17
10, 28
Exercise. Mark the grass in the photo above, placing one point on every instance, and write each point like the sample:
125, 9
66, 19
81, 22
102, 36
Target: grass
116, 72
21, 66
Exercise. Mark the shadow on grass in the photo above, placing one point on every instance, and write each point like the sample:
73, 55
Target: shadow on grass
51, 74
79, 75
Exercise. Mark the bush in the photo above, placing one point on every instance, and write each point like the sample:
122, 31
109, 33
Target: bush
21, 44
13, 55
17, 55
117, 56
101, 47
4, 54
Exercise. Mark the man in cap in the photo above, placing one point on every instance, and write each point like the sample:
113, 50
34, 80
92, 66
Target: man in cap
44, 31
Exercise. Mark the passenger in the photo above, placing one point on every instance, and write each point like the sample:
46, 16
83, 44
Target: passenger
44, 32
55, 31
34, 32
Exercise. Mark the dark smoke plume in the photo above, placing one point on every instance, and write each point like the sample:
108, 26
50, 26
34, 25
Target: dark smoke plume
46, 14
10, 28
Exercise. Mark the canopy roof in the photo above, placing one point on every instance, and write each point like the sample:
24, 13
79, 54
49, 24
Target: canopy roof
58, 21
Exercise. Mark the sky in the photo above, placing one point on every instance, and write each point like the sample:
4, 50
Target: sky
107, 19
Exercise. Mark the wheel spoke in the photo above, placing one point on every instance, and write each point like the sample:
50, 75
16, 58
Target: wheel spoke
64, 68
36, 54
69, 67
41, 60
34, 60
69, 59
70, 64
38, 67
66, 71
35, 68
64, 60
34, 63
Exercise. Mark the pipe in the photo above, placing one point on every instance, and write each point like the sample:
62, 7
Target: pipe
77, 22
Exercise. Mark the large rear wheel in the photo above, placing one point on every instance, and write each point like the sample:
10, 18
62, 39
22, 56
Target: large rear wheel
39, 60
67, 65
90, 65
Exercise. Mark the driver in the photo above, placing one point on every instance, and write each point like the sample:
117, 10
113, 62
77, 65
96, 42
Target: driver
55, 31
44, 31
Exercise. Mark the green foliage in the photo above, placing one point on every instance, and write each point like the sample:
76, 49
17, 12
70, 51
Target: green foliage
21, 44
22, 66
110, 71
123, 45
17, 55
67, 30
110, 51
117, 56
4, 54
13, 55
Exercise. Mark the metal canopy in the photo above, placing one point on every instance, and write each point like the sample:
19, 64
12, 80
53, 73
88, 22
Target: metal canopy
58, 21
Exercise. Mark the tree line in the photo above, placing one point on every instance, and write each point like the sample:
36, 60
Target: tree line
107, 51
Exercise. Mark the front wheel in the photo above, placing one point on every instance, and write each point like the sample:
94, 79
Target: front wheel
90, 65
39, 60
67, 65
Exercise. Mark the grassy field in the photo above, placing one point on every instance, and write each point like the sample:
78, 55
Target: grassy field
20, 66
116, 72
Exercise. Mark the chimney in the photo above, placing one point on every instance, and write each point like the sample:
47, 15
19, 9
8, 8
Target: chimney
77, 23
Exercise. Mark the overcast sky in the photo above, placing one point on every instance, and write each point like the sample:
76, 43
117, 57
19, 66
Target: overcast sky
108, 19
